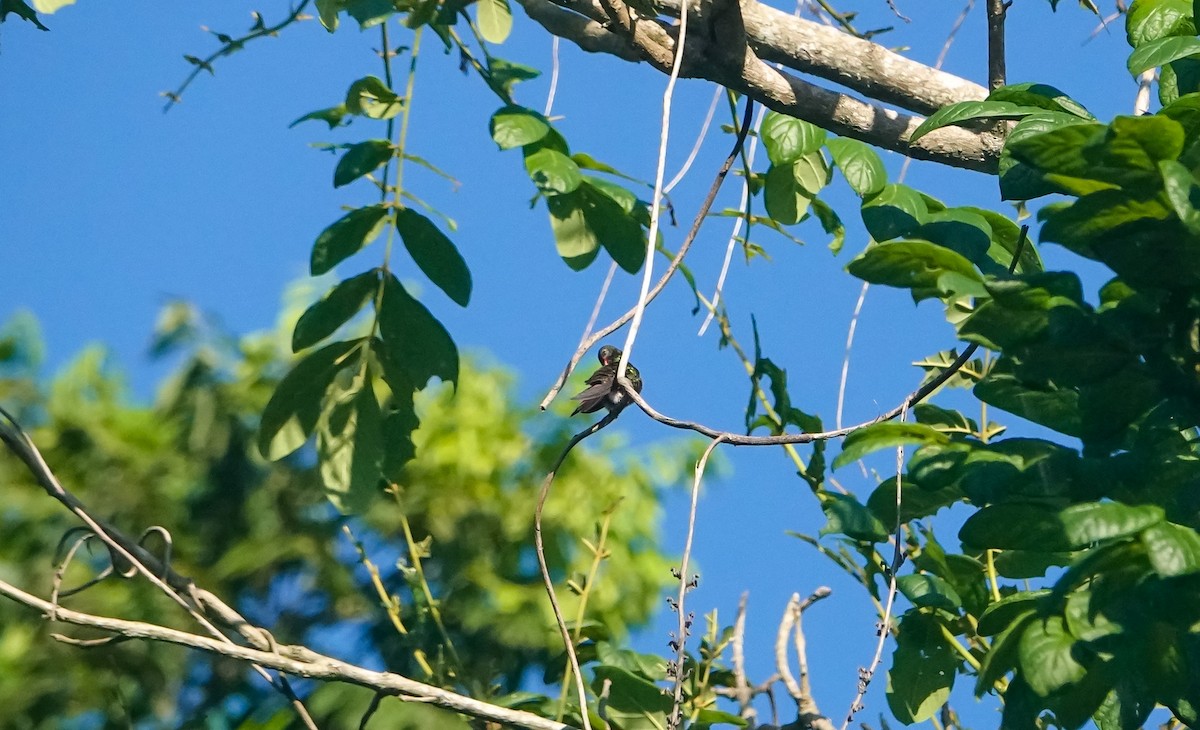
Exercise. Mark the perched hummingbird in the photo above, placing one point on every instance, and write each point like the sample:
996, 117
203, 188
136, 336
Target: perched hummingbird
602, 390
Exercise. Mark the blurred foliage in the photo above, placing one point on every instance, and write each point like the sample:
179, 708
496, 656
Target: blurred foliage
263, 536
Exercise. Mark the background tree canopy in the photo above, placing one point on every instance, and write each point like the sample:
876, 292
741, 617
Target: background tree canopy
355, 483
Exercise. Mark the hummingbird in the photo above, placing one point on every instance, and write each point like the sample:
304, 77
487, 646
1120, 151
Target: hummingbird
603, 390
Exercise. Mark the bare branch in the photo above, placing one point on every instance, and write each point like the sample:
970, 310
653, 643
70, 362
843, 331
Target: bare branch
294, 660
996, 10
735, 44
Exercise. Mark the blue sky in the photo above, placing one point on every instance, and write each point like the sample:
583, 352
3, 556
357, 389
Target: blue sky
109, 208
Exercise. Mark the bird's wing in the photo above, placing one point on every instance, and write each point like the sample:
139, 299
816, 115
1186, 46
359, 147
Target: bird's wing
600, 384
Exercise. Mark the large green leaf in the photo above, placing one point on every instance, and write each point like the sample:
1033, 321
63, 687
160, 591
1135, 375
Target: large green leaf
552, 171
847, 516
414, 339
922, 671
929, 591
1046, 656
895, 211
787, 139
926, 268
1173, 549
966, 111
371, 97
495, 20
345, 237
633, 702
1004, 652
859, 163
786, 201
1182, 190
350, 445
515, 126
1015, 526
1091, 522
1162, 52
1044, 403
959, 230
1022, 181
1044, 96
361, 159
577, 243
436, 254
1150, 20
886, 435
292, 413
335, 309
1001, 614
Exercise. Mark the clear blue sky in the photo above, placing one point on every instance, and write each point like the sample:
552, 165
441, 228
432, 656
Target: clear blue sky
108, 208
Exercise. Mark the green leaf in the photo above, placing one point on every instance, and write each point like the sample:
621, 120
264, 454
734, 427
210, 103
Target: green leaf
1091, 522
515, 126
369, 13
959, 230
859, 163
1022, 181
787, 139
1182, 190
633, 702
1015, 526
646, 666
785, 200
896, 210
292, 413
1046, 404
831, 223
414, 339
917, 265
1044, 96
916, 502
332, 116
361, 159
1154, 19
327, 11
337, 307
370, 97
708, 717
922, 671
966, 111
552, 171
1162, 52
22, 11
929, 591
609, 210
1173, 549
1004, 653
495, 20
350, 446
812, 173
1046, 656
1001, 614
885, 435
1025, 564
576, 242
505, 74
846, 516
436, 254
345, 237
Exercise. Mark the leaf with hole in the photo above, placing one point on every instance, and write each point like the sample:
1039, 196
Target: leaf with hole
413, 339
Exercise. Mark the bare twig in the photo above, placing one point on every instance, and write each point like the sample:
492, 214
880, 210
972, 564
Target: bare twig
229, 46
568, 643
701, 214
741, 686
996, 10
130, 552
639, 310
294, 660
687, 164
885, 624
685, 584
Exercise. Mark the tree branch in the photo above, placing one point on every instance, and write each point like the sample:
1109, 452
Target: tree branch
739, 62
293, 660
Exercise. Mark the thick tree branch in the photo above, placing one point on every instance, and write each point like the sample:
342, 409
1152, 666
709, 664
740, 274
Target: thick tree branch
739, 60
294, 660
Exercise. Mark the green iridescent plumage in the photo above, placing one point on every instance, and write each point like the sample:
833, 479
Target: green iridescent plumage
602, 390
